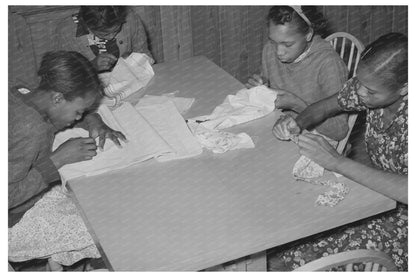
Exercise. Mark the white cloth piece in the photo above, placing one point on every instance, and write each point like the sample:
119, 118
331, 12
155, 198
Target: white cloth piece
128, 76
244, 106
219, 141
182, 104
143, 143
170, 125
52, 228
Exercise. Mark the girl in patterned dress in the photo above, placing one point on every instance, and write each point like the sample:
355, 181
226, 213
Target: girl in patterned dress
380, 88
52, 228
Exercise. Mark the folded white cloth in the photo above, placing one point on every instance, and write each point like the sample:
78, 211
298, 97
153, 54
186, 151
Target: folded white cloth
182, 104
127, 77
219, 141
170, 125
156, 131
244, 106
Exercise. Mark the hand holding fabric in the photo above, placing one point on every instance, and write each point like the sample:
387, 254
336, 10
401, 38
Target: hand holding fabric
104, 62
285, 128
255, 80
74, 150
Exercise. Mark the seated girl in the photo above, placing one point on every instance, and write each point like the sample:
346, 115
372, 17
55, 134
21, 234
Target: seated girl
103, 34
51, 226
380, 88
300, 65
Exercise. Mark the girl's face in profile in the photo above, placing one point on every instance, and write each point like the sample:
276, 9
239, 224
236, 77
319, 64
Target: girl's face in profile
64, 113
372, 92
108, 34
288, 42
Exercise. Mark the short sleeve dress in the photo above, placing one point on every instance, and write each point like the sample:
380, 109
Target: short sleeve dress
387, 147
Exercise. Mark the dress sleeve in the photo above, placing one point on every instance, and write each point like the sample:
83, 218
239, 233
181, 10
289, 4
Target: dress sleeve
139, 37
28, 175
348, 98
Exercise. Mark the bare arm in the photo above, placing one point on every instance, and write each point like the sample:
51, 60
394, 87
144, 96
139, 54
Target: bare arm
389, 184
318, 112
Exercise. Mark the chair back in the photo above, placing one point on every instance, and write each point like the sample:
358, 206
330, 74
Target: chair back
371, 259
349, 49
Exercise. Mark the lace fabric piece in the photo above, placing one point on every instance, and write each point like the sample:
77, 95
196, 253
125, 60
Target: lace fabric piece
219, 141
52, 228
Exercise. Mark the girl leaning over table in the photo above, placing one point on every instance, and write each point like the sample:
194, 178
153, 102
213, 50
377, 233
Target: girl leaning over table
380, 88
301, 66
44, 222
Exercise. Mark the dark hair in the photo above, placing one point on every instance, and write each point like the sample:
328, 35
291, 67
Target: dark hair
387, 57
70, 73
102, 17
280, 15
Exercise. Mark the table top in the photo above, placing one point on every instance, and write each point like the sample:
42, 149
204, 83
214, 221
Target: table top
203, 211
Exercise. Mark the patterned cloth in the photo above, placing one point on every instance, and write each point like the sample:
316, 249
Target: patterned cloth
387, 147
386, 143
52, 228
386, 233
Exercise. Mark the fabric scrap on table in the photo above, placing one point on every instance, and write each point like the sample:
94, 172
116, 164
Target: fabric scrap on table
219, 141
307, 170
244, 106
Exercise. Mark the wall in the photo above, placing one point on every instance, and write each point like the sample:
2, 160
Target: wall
231, 36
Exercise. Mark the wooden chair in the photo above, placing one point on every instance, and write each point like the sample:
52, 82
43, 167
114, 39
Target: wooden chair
349, 48
372, 259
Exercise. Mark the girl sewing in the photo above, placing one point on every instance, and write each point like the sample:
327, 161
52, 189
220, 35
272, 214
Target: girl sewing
380, 88
51, 226
103, 34
300, 65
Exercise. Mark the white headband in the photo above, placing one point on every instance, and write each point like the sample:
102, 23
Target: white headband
298, 10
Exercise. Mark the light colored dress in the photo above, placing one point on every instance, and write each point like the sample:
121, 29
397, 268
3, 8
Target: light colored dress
52, 228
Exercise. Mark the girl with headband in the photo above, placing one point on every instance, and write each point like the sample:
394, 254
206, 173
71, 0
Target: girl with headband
300, 65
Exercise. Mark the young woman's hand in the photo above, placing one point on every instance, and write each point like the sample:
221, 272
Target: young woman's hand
319, 150
289, 101
74, 150
256, 80
104, 61
97, 128
286, 127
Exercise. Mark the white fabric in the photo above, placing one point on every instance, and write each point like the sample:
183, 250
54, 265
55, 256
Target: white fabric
168, 139
128, 76
52, 228
171, 126
182, 104
244, 106
219, 141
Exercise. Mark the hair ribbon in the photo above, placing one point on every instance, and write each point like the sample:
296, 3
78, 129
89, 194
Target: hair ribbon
298, 10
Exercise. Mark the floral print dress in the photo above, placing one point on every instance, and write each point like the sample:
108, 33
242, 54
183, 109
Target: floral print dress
387, 146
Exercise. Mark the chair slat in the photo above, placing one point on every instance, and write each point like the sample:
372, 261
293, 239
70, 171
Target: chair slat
368, 266
342, 48
383, 268
348, 267
351, 56
376, 267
